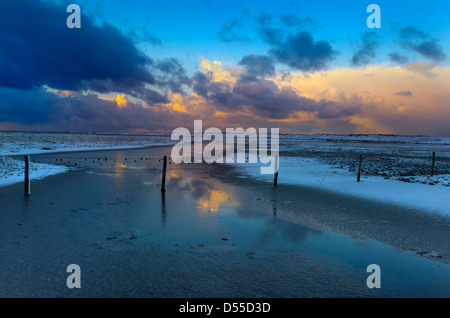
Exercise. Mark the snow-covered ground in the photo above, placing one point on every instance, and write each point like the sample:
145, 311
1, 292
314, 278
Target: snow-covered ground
29, 143
395, 168
13, 144
314, 173
401, 158
12, 170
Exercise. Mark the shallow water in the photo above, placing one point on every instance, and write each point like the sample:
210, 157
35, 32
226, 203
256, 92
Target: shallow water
211, 235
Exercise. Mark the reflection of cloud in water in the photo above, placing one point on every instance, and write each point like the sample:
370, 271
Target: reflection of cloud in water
208, 197
213, 199
118, 168
276, 228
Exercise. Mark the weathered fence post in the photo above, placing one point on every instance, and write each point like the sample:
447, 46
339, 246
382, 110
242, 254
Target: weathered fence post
433, 163
163, 183
27, 176
358, 178
275, 175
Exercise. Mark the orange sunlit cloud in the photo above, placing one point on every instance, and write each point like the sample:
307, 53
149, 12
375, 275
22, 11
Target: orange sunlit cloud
217, 73
382, 98
60, 93
121, 100
377, 90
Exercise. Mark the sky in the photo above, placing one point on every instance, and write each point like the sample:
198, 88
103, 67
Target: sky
300, 66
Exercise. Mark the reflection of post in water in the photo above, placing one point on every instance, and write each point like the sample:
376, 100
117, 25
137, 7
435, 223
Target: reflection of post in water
163, 207
275, 174
275, 202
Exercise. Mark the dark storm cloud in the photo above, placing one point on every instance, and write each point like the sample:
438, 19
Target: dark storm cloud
200, 84
48, 111
422, 43
171, 74
257, 66
403, 93
38, 49
398, 58
366, 51
229, 33
26, 107
302, 52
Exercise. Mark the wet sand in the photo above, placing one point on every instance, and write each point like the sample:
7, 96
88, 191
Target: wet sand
214, 235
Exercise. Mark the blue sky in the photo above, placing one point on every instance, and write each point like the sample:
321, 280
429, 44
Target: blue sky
301, 66
188, 29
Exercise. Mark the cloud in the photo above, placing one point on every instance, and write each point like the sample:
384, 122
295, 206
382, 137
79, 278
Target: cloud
38, 49
200, 84
341, 100
257, 66
26, 107
302, 52
366, 51
297, 50
404, 93
171, 74
271, 35
263, 97
144, 35
264, 18
398, 58
421, 68
42, 109
228, 33
422, 43
291, 20
426, 112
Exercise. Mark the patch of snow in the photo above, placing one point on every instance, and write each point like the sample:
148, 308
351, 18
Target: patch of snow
313, 173
13, 170
29, 143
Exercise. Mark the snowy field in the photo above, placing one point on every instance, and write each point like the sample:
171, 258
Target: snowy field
12, 170
27, 143
395, 169
314, 173
403, 158
14, 144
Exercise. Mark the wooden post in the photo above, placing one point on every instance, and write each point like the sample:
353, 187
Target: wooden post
432, 163
358, 178
275, 175
27, 176
163, 183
